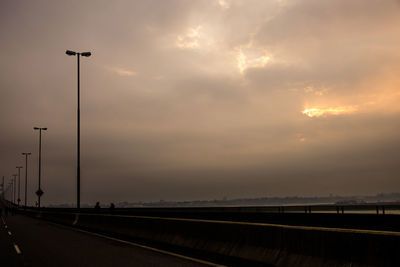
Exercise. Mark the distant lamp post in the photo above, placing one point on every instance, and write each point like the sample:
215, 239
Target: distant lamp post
10, 186
19, 184
78, 168
39, 192
26, 154
14, 186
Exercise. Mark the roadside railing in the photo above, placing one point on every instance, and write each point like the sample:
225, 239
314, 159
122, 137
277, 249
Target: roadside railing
246, 243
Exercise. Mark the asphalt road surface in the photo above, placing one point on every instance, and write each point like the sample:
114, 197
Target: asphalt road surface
26, 241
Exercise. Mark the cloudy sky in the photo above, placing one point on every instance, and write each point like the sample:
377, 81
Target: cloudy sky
202, 99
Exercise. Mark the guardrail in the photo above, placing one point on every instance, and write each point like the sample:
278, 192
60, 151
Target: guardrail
380, 208
290, 215
367, 208
244, 242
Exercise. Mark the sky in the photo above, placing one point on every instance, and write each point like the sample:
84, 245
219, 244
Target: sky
205, 99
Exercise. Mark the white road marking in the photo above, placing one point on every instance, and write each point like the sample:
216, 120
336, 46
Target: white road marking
17, 249
156, 250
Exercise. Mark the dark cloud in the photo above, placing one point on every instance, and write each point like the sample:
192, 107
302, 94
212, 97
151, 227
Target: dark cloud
165, 119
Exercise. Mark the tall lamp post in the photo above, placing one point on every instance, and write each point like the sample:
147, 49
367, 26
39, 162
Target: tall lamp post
78, 168
39, 192
26, 154
19, 184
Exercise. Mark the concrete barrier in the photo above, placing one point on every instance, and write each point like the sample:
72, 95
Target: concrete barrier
57, 217
250, 243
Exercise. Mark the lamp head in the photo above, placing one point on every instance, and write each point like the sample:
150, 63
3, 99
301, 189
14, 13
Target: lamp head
86, 54
70, 53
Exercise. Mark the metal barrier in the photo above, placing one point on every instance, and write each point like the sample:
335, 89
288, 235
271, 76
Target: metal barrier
259, 243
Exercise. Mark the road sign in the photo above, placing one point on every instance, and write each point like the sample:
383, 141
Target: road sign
39, 193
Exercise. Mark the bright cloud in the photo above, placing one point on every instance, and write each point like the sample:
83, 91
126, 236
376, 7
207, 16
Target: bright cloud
251, 57
318, 112
225, 4
190, 39
316, 91
122, 72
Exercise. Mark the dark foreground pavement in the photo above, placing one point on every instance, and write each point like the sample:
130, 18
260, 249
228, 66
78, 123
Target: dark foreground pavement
43, 244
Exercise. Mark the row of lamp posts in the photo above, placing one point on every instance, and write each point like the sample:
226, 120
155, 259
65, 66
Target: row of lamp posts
39, 192
16, 197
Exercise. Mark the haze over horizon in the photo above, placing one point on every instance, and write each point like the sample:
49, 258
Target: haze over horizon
192, 100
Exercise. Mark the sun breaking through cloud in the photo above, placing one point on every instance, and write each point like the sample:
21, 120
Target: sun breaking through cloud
194, 99
318, 112
249, 57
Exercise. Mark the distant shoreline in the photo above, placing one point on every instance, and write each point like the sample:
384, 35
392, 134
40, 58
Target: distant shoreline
264, 201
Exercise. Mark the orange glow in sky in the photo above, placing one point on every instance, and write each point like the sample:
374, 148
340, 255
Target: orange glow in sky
318, 112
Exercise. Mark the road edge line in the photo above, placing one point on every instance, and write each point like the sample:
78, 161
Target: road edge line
143, 246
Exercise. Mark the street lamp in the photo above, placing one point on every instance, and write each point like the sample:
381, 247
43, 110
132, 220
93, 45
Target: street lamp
26, 154
78, 168
19, 184
39, 192
15, 186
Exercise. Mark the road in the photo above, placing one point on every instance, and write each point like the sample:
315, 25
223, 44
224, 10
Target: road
26, 241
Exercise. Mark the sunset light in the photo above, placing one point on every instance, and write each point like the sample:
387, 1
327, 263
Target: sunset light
215, 112
199, 100
318, 112
251, 58
190, 39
